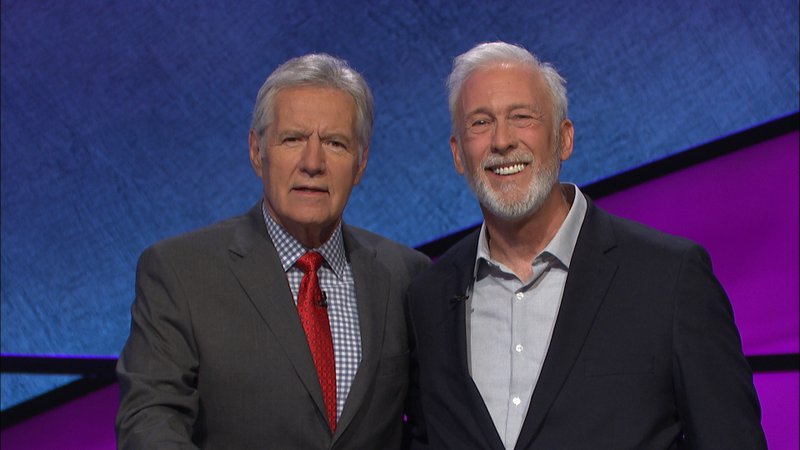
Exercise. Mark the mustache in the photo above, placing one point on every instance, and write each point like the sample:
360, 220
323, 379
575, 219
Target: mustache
494, 160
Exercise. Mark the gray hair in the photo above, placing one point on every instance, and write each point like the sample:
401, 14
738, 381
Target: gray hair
322, 70
491, 53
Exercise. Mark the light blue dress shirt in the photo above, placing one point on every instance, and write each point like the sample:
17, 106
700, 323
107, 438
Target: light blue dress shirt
510, 322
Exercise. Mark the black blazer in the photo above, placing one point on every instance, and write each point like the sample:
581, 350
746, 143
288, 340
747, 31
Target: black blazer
217, 357
644, 353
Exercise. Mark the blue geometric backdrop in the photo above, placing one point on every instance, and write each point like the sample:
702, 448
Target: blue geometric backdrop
126, 122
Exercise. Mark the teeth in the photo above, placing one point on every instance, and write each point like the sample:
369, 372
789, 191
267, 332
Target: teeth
516, 168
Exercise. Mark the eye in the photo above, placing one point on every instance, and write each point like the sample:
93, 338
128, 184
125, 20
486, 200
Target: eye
479, 125
291, 141
336, 144
521, 120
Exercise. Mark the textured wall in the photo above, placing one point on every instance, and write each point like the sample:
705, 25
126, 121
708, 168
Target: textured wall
126, 122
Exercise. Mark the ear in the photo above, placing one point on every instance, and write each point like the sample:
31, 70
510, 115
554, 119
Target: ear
255, 157
567, 132
361, 165
457, 163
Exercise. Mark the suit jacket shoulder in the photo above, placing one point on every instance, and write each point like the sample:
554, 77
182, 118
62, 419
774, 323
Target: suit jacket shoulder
628, 232
237, 233
454, 266
397, 256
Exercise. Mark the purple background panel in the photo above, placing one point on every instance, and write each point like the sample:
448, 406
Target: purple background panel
88, 422
83, 424
780, 410
743, 208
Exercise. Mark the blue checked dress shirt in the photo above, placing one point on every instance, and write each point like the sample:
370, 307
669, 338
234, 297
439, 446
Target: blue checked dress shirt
336, 281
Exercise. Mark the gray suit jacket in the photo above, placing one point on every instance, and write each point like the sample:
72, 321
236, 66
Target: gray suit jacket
217, 357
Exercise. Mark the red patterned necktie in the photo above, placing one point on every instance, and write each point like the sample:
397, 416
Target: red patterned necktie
314, 317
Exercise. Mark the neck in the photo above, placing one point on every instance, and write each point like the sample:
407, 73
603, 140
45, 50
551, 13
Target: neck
310, 235
515, 243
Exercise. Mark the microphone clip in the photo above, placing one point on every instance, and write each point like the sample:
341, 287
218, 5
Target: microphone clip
463, 296
323, 301
458, 298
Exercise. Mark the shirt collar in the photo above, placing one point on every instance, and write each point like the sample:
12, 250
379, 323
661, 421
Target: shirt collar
290, 249
562, 246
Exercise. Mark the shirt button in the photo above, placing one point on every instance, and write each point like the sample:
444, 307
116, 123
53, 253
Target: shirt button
516, 401
518, 348
520, 295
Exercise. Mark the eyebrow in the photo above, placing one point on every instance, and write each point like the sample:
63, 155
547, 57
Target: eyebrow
291, 132
484, 110
336, 136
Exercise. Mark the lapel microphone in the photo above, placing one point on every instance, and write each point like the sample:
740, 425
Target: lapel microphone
459, 298
323, 301
463, 297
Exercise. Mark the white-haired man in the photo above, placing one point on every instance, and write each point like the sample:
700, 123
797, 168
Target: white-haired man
557, 325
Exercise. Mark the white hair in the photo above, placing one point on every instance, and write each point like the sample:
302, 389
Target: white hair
492, 53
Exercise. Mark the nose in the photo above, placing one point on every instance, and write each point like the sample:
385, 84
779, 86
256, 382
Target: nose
504, 138
312, 160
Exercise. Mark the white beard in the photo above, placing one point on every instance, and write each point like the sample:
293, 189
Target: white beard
498, 202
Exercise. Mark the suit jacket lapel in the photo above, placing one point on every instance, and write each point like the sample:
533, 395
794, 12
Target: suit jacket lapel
456, 286
589, 277
372, 282
255, 263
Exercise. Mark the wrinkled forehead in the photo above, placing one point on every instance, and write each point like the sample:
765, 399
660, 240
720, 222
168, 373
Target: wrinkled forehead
502, 85
314, 105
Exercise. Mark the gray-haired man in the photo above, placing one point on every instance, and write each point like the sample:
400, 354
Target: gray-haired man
283, 327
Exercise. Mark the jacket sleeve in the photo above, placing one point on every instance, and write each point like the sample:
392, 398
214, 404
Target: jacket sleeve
716, 399
157, 369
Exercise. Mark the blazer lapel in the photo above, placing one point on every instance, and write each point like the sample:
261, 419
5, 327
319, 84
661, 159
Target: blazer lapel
589, 277
456, 286
372, 282
255, 263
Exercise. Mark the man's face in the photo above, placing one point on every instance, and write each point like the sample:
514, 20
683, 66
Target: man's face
506, 145
309, 163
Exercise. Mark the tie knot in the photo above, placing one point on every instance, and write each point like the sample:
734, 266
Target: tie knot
309, 262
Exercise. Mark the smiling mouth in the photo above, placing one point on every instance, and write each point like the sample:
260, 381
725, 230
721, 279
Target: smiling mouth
509, 169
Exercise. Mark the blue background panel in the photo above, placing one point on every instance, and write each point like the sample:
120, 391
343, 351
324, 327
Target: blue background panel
123, 123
